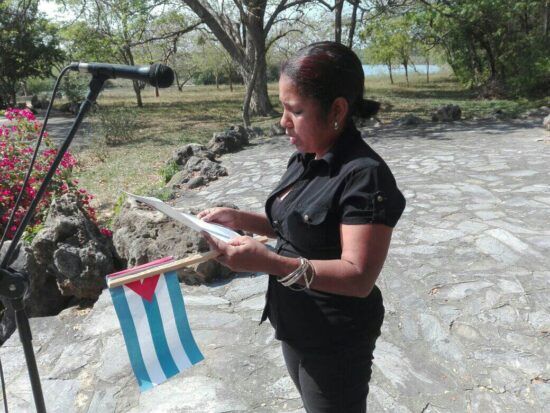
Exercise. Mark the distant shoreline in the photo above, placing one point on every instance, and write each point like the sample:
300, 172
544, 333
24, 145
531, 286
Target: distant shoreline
379, 70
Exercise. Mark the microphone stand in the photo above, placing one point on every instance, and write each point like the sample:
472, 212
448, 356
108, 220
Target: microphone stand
14, 285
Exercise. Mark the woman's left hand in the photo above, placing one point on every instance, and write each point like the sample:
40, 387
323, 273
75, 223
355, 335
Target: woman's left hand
241, 253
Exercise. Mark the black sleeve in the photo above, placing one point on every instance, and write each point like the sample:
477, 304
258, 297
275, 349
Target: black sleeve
370, 196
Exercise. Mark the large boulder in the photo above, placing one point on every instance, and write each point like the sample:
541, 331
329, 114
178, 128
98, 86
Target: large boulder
67, 260
72, 249
197, 171
143, 235
42, 297
231, 140
182, 155
447, 113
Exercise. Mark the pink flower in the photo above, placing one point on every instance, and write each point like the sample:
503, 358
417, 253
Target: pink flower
106, 232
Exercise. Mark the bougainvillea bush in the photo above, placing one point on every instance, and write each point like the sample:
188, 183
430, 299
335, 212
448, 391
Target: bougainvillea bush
17, 142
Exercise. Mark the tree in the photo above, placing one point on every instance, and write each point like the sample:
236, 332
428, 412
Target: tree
118, 30
347, 13
243, 31
390, 39
338, 9
501, 46
29, 46
173, 48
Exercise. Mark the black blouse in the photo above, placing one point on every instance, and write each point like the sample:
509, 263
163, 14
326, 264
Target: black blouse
350, 184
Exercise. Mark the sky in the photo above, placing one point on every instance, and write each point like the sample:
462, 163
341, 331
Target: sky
48, 7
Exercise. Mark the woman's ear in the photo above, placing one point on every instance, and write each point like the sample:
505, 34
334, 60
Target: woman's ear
340, 109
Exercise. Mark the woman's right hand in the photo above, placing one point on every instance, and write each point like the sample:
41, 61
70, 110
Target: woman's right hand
227, 217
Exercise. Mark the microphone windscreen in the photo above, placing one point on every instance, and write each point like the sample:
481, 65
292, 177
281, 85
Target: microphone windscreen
161, 76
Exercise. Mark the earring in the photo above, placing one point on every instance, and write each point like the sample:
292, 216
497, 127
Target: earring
335, 125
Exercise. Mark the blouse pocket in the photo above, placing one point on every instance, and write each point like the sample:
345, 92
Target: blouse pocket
311, 228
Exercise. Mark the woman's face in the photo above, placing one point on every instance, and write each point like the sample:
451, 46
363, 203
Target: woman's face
304, 122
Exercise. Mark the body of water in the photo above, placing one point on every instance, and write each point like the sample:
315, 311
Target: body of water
380, 70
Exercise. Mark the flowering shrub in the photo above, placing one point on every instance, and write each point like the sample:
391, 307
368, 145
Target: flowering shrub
17, 142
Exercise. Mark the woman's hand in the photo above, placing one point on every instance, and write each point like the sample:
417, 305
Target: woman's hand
242, 254
227, 217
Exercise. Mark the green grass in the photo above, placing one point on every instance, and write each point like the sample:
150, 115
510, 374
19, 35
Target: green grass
422, 99
176, 118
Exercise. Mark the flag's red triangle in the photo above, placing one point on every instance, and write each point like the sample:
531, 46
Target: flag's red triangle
145, 288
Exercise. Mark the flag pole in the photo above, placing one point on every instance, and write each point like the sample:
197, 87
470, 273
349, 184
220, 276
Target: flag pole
170, 266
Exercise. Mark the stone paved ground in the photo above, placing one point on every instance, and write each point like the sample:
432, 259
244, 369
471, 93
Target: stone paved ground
466, 289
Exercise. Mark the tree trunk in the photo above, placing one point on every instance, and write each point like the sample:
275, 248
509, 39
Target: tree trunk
248, 95
427, 69
353, 23
13, 98
491, 59
338, 6
180, 86
256, 52
259, 102
253, 42
405, 64
25, 89
389, 70
137, 89
546, 18
129, 57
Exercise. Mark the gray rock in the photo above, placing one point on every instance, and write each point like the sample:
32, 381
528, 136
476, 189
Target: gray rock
196, 182
541, 112
205, 167
447, 113
182, 155
276, 130
197, 167
71, 248
142, 235
408, 120
546, 122
43, 298
231, 140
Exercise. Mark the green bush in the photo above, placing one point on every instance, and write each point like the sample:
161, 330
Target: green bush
117, 126
74, 87
37, 86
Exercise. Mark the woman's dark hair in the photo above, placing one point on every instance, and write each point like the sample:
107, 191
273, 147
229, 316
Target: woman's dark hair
325, 71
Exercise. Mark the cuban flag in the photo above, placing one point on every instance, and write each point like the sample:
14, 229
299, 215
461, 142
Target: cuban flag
155, 326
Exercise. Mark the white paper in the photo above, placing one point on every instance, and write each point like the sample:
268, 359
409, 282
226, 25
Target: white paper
218, 231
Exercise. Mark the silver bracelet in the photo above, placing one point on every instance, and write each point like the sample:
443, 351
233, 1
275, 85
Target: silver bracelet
311, 271
296, 274
305, 270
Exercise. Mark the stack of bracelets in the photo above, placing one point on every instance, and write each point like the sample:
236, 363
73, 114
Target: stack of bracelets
305, 270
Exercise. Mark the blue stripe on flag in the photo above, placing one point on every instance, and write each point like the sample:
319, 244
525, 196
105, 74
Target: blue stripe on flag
159, 338
130, 337
184, 331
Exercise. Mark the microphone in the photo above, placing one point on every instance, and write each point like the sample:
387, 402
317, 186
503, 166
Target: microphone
156, 75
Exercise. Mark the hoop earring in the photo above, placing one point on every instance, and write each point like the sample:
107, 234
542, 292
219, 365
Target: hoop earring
335, 125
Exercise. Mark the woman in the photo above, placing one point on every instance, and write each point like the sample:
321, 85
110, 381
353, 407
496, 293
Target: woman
332, 214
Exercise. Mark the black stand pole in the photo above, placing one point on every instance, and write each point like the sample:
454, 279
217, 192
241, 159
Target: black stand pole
13, 285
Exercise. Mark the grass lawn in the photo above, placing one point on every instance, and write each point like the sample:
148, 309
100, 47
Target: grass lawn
176, 118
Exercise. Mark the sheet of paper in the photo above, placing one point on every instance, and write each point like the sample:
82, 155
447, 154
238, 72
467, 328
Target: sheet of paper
218, 231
